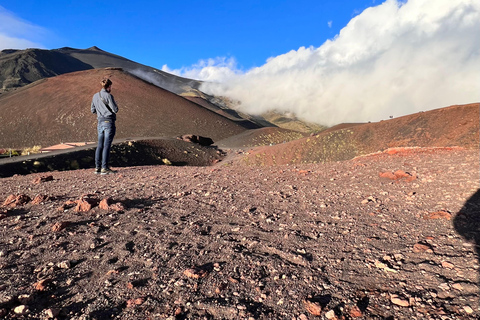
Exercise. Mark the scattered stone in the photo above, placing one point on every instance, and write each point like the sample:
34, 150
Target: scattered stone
398, 175
64, 264
221, 288
232, 280
457, 286
42, 285
21, 310
3, 312
313, 307
355, 312
39, 180
447, 265
330, 315
419, 247
196, 273
395, 299
178, 311
59, 226
468, 309
384, 266
135, 302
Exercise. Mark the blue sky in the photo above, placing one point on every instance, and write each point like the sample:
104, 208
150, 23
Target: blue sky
325, 61
180, 33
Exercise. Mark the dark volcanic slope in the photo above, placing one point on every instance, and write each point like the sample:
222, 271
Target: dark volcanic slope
57, 110
21, 67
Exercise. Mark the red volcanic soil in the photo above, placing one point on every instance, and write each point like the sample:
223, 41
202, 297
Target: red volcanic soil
455, 126
378, 237
57, 109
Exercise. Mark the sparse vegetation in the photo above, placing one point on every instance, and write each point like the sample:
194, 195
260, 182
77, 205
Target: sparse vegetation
30, 150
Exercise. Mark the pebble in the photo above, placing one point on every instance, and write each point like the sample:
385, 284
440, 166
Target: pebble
21, 310
330, 315
399, 301
468, 309
64, 265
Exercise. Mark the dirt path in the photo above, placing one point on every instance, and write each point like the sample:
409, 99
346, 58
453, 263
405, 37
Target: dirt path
290, 242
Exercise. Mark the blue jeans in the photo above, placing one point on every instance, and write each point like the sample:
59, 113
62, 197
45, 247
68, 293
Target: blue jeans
106, 131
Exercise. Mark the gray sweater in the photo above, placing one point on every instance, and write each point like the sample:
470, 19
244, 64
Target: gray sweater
100, 109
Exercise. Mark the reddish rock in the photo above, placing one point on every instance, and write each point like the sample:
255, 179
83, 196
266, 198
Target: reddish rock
39, 180
395, 299
85, 204
42, 284
419, 247
59, 226
39, 198
135, 302
355, 312
196, 273
388, 175
16, 200
438, 215
397, 175
313, 307
107, 204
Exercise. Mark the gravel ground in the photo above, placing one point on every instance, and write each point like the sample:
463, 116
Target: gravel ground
376, 237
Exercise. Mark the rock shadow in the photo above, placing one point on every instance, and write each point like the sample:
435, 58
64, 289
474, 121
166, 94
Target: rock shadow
467, 223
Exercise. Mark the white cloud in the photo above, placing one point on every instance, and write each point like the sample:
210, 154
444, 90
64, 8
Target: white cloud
329, 23
218, 69
16, 33
397, 58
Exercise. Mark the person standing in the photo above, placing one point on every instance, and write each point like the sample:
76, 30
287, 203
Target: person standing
103, 104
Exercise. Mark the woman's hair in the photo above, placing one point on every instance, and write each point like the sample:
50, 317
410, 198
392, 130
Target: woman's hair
106, 83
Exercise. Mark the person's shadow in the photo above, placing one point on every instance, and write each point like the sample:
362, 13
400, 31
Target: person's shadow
467, 221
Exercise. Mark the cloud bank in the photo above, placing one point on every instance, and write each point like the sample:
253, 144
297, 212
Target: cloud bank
16, 33
397, 58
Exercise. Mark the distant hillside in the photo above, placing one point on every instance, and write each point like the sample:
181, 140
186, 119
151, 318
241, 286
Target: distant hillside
57, 109
454, 126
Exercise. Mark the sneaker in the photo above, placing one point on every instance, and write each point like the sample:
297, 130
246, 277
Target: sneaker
97, 170
107, 171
